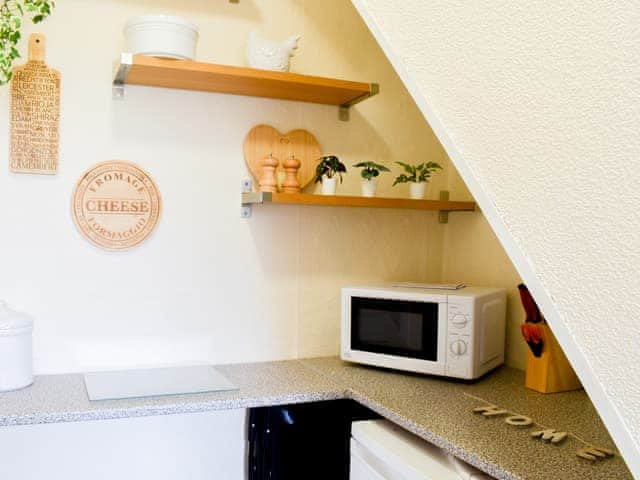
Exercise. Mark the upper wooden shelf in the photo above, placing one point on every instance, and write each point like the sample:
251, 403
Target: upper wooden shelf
210, 77
253, 198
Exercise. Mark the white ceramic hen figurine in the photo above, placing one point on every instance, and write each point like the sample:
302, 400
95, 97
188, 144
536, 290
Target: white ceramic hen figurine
269, 55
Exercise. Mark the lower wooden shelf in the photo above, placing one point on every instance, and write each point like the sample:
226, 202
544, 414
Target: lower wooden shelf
256, 198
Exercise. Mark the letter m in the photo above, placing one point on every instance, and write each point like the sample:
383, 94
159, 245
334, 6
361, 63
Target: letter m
550, 435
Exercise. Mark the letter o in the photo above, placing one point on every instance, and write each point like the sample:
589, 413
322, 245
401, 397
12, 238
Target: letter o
518, 420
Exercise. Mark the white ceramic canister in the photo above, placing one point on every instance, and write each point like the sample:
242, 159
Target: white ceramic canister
16, 349
161, 36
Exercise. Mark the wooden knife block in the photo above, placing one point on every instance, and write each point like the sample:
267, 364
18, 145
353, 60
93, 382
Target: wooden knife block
551, 372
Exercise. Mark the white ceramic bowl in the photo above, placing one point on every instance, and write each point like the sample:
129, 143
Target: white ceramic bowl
161, 36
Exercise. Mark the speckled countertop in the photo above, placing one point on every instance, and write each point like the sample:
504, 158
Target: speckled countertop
63, 398
440, 411
437, 410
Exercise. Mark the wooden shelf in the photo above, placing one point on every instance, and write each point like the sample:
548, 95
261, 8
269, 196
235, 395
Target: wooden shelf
209, 77
256, 198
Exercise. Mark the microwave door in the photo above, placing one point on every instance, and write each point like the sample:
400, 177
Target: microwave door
406, 329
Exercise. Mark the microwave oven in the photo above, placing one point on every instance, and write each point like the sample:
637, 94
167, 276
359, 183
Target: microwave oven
453, 331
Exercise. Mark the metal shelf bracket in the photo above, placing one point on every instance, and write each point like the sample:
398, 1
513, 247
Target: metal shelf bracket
120, 75
345, 107
248, 198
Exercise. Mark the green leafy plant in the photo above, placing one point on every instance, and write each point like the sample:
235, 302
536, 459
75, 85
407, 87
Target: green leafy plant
417, 173
370, 169
329, 166
12, 13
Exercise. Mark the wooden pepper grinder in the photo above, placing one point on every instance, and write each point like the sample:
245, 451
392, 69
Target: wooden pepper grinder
291, 167
268, 180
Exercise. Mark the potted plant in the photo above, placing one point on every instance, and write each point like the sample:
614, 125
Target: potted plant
11, 20
328, 171
370, 172
416, 176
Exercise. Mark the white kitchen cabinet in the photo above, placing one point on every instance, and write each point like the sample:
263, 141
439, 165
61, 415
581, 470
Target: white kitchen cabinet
195, 446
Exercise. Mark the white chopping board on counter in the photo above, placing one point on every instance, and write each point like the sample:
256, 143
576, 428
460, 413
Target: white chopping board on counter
152, 382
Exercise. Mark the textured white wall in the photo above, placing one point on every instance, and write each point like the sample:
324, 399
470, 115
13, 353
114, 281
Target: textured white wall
537, 104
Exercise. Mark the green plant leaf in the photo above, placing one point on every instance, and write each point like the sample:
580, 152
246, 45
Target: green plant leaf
370, 169
433, 166
12, 13
329, 166
417, 173
410, 169
402, 178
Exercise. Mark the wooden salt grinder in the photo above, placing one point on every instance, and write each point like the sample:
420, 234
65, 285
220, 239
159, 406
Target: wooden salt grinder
291, 167
268, 180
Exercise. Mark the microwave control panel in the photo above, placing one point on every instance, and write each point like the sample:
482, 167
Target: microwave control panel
459, 335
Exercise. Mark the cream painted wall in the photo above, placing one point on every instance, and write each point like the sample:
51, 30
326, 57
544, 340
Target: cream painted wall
537, 105
208, 286
472, 254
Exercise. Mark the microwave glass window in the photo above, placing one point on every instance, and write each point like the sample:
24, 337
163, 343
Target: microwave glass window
402, 328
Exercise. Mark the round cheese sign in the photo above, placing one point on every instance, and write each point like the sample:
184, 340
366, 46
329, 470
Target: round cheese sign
116, 205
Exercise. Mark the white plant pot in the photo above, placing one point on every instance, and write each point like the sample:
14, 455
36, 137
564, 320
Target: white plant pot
369, 187
161, 36
329, 185
416, 190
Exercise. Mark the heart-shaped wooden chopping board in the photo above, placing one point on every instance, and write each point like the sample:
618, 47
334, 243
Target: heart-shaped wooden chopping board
264, 140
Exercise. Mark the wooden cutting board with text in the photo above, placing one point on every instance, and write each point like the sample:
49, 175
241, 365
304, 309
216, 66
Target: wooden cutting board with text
35, 113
